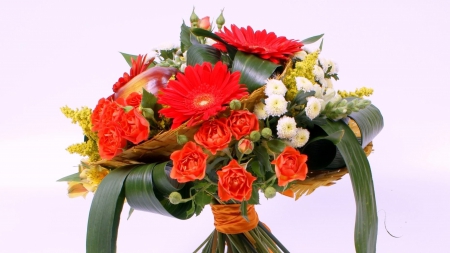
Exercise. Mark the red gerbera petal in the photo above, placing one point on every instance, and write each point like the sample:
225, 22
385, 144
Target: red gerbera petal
265, 45
200, 93
137, 67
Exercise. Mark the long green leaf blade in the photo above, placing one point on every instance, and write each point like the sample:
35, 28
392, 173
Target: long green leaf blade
104, 215
312, 39
370, 122
74, 177
142, 194
366, 226
254, 71
199, 53
128, 58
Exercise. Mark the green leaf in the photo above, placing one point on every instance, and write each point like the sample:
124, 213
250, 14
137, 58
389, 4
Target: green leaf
148, 99
197, 54
130, 213
142, 194
128, 58
366, 226
104, 215
335, 137
75, 177
312, 39
256, 168
254, 70
201, 198
276, 145
207, 34
370, 122
254, 199
301, 96
321, 45
263, 158
185, 37
204, 33
244, 210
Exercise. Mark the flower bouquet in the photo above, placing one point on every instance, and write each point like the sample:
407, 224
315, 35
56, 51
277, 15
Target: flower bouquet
222, 118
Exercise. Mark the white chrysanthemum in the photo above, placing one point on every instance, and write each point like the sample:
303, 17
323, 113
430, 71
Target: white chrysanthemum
301, 55
300, 138
334, 67
329, 83
313, 107
303, 84
325, 64
318, 90
276, 105
274, 86
150, 55
260, 111
286, 127
318, 73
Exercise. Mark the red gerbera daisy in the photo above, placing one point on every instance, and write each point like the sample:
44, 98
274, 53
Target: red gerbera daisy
200, 93
265, 45
137, 67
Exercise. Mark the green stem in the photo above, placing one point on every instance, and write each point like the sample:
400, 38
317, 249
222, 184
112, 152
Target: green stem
203, 243
278, 243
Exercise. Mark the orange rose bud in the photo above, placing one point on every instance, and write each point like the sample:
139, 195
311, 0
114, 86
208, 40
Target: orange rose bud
189, 163
290, 165
235, 182
245, 146
204, 23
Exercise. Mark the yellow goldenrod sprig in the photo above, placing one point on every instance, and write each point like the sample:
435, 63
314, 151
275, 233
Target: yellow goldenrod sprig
304, 69
361, 92
83, 118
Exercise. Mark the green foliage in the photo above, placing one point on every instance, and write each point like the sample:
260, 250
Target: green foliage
312, 39
254, 70
75, 177
366, 226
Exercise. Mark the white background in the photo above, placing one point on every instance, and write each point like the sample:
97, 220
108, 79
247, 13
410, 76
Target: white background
56, 53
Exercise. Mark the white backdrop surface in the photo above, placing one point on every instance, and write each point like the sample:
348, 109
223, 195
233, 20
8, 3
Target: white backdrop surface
56, 53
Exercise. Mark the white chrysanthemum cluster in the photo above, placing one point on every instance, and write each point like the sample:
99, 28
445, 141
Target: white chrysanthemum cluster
276, 105
313, 107
275, 87
259, 111
286, 127
300, 138
303, 84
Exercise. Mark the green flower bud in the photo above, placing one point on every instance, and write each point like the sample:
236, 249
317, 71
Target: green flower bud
270, 192
220, 21
175, 198
235, 104
194, 18
255, 136
148, 113
182, 139
342, 103
266, 132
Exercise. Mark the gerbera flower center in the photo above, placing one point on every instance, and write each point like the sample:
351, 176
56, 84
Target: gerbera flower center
203, 100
